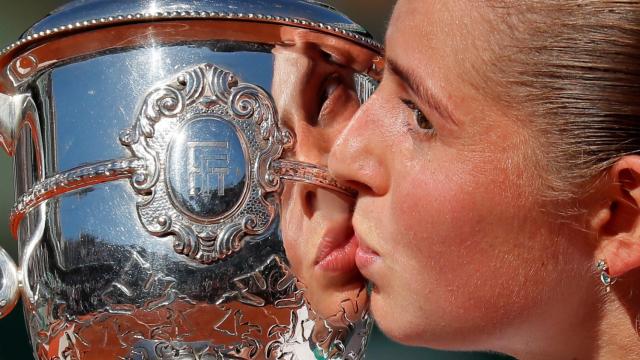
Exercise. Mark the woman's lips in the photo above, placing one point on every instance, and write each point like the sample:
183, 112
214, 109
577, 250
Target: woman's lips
337, 251
365, 256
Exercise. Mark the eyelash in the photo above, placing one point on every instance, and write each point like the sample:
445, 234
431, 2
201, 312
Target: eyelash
421, 120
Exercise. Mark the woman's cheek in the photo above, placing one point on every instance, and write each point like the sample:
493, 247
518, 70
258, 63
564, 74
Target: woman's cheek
448, 220
433, 209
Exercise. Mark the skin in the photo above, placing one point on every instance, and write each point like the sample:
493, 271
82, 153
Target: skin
464, 250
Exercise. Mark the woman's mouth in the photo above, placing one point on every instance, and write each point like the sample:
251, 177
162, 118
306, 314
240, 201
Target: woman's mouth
365, 256
337, 250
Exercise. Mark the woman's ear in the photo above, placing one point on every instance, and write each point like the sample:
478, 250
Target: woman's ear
617, 220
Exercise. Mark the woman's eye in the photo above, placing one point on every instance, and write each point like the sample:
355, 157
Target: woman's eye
419, 117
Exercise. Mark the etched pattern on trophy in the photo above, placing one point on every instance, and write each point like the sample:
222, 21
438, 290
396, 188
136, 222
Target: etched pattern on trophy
163, 207
145, 306
263, 316
208, 141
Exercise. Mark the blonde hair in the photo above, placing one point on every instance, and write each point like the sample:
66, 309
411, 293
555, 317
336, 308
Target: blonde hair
574, 67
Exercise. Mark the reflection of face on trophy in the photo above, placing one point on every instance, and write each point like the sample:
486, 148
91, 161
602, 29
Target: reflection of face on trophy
315, 85
173, 199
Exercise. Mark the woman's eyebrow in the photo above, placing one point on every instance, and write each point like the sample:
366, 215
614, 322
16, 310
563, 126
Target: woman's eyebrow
422, 91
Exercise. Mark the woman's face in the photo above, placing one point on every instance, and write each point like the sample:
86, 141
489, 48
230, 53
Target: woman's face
452, 228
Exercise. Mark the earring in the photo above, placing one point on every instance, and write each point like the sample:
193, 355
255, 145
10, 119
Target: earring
606, 279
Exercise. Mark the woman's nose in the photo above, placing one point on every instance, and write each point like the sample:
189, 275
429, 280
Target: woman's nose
358, 156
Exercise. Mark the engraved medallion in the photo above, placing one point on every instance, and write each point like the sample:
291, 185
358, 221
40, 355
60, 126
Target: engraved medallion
207, 169
208, 142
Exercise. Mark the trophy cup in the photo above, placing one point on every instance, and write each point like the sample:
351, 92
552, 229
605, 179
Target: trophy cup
172, 194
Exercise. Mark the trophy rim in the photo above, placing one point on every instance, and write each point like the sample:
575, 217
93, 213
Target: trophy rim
73, 18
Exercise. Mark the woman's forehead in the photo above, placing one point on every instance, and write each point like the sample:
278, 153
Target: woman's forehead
448, 47
443, 25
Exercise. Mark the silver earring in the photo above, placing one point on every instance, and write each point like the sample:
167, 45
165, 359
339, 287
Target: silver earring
607, 280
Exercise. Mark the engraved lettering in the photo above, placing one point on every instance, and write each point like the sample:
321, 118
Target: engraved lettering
209, 164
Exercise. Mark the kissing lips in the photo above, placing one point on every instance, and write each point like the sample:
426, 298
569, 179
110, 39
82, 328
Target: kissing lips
337, 251
365, 256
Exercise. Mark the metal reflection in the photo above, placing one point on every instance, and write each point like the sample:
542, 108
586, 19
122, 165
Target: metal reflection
205, 229
317, 90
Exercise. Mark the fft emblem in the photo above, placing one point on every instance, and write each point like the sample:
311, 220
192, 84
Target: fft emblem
207, 172
209, 165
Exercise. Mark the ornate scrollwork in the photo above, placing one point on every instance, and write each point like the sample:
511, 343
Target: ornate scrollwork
207, 141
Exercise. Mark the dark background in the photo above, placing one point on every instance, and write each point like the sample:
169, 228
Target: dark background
17, 16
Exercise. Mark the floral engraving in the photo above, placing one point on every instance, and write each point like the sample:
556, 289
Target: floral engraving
210, 94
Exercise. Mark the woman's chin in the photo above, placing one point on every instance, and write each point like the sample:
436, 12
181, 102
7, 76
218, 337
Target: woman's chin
413, 327
399, 323
403, 333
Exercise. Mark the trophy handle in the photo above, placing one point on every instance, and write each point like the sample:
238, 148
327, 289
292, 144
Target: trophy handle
9, 284
17, 111
13, 111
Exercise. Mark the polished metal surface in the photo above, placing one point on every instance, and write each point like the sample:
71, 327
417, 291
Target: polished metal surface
73, 179
15, 112
81, 10
173, 196
9, 292
83, 15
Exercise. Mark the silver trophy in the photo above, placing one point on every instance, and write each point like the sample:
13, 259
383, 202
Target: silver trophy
172, 195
